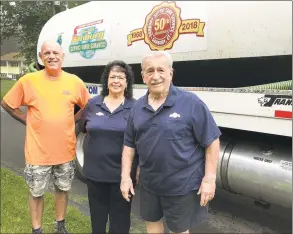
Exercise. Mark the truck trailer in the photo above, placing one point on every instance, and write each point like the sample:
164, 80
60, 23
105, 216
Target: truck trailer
236, 56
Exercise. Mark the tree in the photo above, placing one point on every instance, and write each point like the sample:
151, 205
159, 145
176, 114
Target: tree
25, 19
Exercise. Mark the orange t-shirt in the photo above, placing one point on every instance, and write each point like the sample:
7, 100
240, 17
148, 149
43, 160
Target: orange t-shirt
50, 130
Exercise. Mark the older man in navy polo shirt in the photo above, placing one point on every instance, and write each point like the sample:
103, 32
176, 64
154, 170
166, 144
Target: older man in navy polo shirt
177, 141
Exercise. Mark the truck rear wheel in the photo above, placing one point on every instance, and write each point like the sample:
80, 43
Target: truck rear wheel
79, 154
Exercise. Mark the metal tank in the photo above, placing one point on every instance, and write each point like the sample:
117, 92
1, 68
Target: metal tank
256, 169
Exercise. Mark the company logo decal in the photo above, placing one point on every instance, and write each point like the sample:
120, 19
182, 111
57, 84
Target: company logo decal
278, 100
92, 89
163, 25
87, 39
59, 39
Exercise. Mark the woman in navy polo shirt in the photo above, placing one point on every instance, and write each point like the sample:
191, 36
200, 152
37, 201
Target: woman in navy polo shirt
104, 120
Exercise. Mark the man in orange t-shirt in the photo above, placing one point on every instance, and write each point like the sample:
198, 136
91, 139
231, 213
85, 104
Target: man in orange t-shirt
50, 96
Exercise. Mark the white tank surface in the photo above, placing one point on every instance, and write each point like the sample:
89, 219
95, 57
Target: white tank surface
97, 32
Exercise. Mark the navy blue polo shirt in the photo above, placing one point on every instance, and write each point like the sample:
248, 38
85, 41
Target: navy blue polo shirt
171, 141
104, 141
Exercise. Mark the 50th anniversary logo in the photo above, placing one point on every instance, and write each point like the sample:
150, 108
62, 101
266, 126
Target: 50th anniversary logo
162, 27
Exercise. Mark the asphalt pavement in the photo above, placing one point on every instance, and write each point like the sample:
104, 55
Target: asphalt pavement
229, 213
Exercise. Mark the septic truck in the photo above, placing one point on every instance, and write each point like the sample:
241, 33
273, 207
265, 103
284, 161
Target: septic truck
236, 56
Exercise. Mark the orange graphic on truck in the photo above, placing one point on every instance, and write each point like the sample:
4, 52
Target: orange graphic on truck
162, 27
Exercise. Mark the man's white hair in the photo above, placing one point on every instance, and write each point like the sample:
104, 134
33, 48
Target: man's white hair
158, 53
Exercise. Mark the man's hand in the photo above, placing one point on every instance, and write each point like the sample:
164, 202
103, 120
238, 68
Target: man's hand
208, 185
207, 189
126, 187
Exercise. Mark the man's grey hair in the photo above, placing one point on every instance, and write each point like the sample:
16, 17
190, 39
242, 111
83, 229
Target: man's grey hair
158, 53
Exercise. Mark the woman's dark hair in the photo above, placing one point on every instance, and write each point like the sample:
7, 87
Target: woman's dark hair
119, 66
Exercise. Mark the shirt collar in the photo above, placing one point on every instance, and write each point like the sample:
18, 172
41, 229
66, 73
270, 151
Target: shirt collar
99, 100
171, 98
126, 104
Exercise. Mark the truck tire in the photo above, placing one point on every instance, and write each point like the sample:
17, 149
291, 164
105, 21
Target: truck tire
79, 153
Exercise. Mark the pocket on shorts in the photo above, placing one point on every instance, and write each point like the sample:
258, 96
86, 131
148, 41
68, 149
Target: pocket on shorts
72, 169
64, 174
28, 175
37, 178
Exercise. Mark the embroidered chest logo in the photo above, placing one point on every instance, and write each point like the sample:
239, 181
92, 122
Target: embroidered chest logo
66, 92
175, 115
99, 114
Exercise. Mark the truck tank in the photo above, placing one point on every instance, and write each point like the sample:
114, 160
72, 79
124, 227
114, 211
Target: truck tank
259, 167
215, 45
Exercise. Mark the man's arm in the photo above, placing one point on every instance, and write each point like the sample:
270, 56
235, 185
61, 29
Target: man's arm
83, 98
15, 98
77, 116
212, 153
208, 184
128, 152
15, 113
207, 135
126, 185
127, 159
83, 117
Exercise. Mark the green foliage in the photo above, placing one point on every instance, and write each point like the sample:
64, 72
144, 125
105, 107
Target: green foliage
25, 20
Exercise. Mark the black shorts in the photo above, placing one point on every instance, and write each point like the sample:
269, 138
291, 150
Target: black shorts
181, 213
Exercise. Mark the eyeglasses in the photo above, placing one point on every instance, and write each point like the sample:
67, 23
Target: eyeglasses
118, 77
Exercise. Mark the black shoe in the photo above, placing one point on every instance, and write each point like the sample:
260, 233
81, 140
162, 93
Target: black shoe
37, 231
60, 227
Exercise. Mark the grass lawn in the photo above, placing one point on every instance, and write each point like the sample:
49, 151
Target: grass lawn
15, 214
5, 86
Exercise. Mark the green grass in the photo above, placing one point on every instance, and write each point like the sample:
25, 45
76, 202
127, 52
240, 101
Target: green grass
15, 213
5, 86
78, 199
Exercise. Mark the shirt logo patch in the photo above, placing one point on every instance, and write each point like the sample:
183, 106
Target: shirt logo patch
99, 113
174, 115
66, 92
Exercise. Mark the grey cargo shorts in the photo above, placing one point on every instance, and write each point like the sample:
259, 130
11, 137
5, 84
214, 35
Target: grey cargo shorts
38, 177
